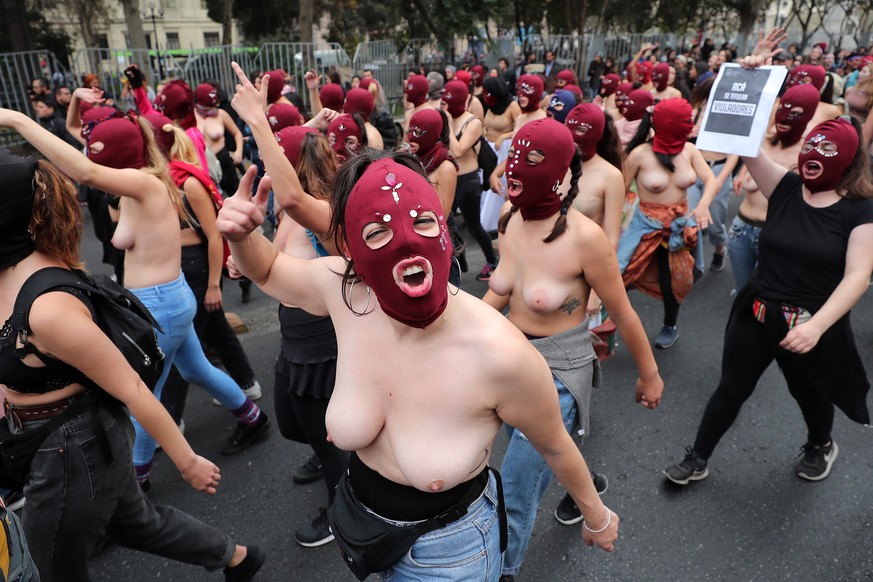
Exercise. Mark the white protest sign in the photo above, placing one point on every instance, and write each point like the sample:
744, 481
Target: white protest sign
738, 110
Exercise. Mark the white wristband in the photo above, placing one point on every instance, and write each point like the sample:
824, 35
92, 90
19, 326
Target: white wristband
603, 529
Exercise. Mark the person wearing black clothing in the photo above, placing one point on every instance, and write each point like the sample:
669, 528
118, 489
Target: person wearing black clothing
595, 70
814, 265
51, 119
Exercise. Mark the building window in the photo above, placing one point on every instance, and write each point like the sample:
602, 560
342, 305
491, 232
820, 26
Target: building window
103, 41
211, 39
173, 41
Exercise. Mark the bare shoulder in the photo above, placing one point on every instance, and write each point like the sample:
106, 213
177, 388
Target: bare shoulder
498, 342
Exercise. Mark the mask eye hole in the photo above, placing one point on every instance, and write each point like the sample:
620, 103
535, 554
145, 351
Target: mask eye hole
376, 234
535, 157
426, 224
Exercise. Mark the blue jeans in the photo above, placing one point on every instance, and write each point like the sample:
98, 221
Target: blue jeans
743, 251
526, 476
173, 306
716, 231
468, 549
81, 487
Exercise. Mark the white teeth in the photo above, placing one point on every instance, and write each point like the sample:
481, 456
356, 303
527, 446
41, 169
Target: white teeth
412, 271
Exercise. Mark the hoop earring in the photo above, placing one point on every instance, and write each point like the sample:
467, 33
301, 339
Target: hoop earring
367, 306
458, 288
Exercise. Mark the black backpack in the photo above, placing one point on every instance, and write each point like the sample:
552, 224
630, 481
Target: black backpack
119, 313
486, 157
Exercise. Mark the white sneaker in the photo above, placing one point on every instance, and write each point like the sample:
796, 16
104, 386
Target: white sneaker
253, 393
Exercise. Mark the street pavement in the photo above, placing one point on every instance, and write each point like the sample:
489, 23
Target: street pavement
752, 519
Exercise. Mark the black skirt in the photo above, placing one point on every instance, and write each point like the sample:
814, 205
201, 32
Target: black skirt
308, 355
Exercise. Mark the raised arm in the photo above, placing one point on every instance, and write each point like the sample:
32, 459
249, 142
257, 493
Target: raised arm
83, 345
283, 277
74, 111
125, 182
304, 209
312, 83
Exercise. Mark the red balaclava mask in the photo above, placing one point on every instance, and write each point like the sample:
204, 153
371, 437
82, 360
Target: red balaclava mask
365, 83
586, 123
410, 272
538, 161
608, 84
644, 71
282, 115
530, 87
790, 123
815, 74
478, 75
425, 128
176, 101
622, 92
339, 130
206, 99
415, 89
359, 101
827, 154
464, 77
93, 116
290, 139
331, 96
455, 97
123, 142
672, 122
636, 104
275, 86
575, 90
564, 78
661, 76
162, 126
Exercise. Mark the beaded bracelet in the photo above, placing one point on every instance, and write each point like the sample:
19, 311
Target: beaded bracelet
603, 529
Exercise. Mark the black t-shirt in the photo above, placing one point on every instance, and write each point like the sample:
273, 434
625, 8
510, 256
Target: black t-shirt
802, 255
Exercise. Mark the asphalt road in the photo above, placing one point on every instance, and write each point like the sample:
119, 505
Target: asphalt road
752, 519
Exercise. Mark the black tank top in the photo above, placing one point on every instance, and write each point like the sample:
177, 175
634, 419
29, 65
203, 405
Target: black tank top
20, 377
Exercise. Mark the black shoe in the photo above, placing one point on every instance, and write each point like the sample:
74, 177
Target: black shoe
246, 286
567, 512
309, 471
507, 578
718, 262
246, 570
317, 533
692, 468
817, 461
245, 436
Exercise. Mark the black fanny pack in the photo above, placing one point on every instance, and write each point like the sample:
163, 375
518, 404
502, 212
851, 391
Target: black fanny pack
17, 450
369, 544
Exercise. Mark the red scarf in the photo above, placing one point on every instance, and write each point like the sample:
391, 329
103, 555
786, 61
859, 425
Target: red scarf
181, 171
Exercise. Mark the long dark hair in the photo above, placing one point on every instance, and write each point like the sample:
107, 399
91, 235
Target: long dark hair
316, 166
857, 182
346, 177
642, 136
498, 89
609, 146
566, 203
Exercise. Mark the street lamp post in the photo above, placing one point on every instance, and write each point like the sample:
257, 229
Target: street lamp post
154, 13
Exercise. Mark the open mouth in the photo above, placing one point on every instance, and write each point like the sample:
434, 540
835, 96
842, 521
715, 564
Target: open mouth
812, 170
783, 128
515, 187
413, 147
414, 276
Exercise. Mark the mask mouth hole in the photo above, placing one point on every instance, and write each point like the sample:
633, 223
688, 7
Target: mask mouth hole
414, 276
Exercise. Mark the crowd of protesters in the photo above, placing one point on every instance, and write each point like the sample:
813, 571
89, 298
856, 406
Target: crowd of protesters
578, 189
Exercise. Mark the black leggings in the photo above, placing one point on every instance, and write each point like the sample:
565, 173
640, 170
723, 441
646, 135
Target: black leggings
468, 196
665, 280
749, 348
229, 178
301, 419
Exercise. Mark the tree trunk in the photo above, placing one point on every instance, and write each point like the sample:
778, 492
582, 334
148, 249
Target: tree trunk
306, 16
227, 22
17, 25
134, 25
427, 20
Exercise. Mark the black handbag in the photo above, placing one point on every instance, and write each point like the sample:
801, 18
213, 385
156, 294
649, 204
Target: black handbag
369, 544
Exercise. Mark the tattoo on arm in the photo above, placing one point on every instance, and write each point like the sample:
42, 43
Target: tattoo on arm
571, 305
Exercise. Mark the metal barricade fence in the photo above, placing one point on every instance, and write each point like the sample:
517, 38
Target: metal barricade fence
213, 64
296, 58
17, 71
381, 57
